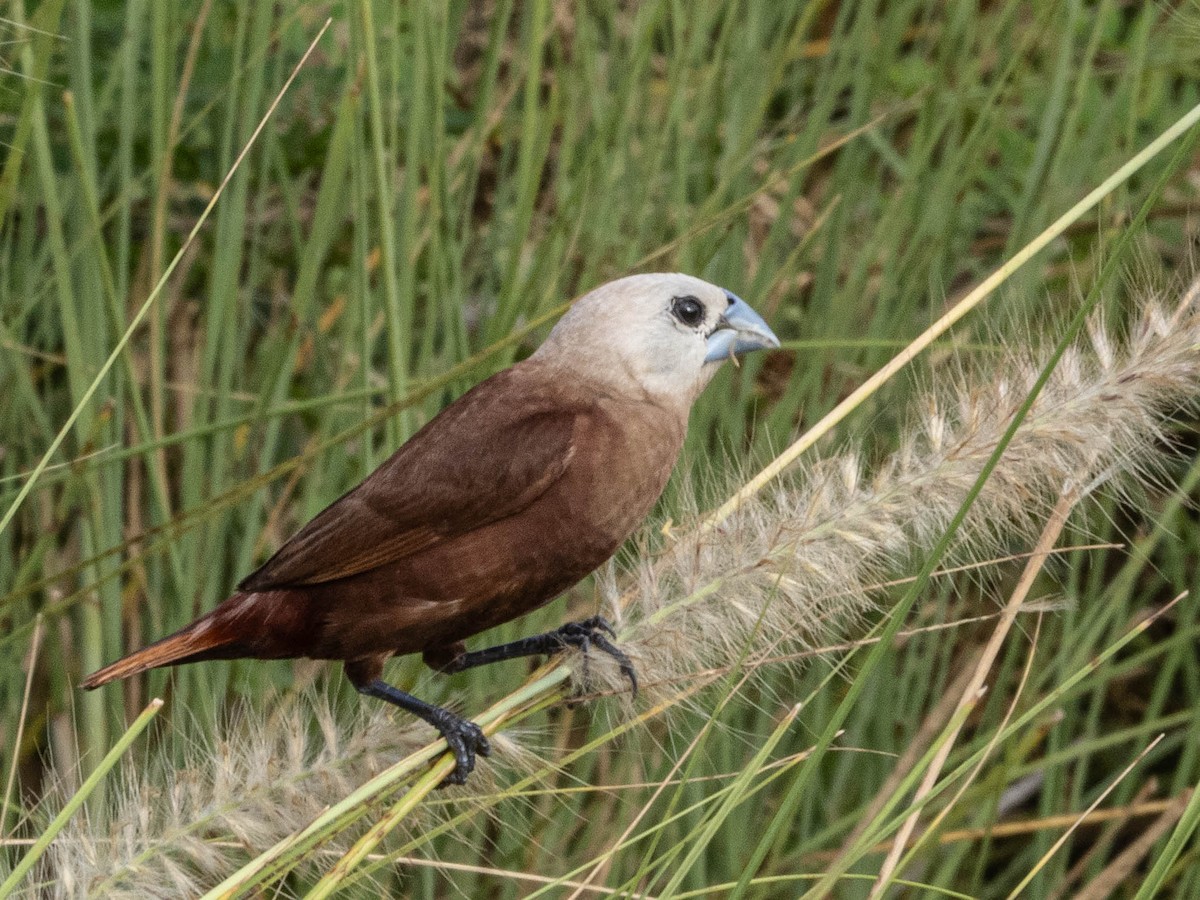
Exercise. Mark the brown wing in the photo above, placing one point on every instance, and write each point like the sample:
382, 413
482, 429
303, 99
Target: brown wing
485, 457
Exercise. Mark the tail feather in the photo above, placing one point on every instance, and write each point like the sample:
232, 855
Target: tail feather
203, 639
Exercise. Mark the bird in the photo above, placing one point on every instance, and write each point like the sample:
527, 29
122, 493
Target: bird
511, 495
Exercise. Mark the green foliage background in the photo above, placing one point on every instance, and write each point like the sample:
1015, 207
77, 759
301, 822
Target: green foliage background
439, 177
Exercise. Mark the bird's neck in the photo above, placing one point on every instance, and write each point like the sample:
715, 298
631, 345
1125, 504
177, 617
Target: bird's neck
617, 380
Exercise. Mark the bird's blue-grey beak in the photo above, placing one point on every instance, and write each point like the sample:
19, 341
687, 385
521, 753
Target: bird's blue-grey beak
739, 330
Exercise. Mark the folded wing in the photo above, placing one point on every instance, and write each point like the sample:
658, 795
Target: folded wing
486, 457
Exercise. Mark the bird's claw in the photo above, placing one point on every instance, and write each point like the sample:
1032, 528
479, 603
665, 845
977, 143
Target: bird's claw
465, 739
591, 632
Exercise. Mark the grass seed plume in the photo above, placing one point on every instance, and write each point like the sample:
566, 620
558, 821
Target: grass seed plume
798, 564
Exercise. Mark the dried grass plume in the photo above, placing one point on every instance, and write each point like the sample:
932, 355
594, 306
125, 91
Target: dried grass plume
798, 564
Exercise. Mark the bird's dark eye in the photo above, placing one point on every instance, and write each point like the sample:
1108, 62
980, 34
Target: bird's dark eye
688, 310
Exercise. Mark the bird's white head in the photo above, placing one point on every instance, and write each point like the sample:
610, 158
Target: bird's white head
662, 336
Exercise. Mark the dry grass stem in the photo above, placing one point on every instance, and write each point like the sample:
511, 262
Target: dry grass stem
1049, 536
1112, 876
35, 644
1025, 827
1058, 844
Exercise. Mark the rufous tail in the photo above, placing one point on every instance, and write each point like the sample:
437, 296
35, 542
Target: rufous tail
203, 639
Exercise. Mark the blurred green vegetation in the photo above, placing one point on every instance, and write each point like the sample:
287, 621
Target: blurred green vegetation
440, 176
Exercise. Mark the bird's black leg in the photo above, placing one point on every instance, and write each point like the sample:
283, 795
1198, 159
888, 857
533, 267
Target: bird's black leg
585, 635
465, 738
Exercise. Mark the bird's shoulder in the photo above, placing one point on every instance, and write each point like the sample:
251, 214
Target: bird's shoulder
485, 457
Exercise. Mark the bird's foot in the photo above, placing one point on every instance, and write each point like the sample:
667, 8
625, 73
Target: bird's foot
465, 739
595, 632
